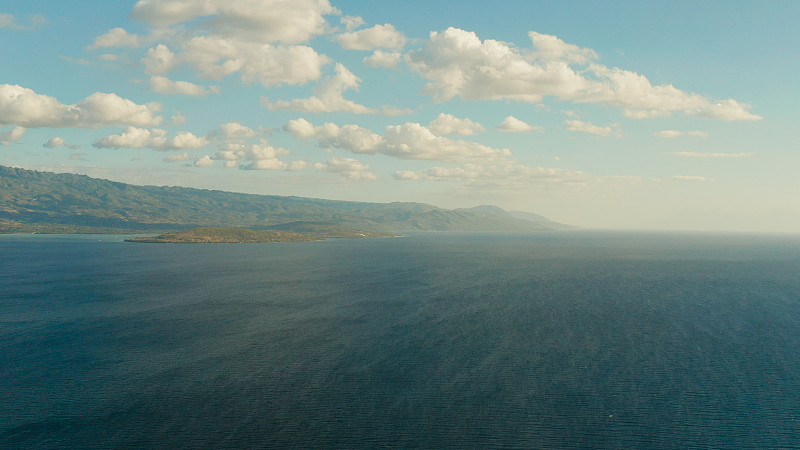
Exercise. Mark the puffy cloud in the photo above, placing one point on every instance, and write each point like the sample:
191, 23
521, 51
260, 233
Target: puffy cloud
253, 38
300, 128
8, 137
378, 36
513, 125
587, 127
449, 124
205, 161
24, 107
116, 37
283, 21
458, 63
551, 48
235, 130
407, 141
713, 155
217, 57
156, 139
380, 58
261, 156
159, 60
164, 85
54, 142
349, 137
180, 157
348, 168
328, 96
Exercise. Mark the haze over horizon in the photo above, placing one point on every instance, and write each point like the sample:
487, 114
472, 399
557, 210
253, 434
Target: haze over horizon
670, 115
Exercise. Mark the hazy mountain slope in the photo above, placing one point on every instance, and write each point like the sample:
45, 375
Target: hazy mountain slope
31, 197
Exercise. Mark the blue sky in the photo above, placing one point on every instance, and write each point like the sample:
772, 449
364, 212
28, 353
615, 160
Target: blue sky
658, 115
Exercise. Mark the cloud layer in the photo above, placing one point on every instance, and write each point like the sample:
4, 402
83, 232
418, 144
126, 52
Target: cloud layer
24, 107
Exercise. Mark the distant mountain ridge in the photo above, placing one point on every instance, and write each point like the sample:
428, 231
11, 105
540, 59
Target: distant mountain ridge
51, 202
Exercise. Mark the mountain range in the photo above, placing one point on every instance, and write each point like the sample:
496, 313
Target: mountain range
33, 201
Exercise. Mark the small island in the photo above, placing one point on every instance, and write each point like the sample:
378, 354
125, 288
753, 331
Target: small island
213, 235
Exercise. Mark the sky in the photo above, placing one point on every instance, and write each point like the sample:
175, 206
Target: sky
669, 115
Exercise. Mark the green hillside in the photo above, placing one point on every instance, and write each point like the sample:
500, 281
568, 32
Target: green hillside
32, 201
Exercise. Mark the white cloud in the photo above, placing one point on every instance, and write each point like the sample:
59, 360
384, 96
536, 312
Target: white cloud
351, 22
300, 128
713, 155
179, 157
349, 137
378, 36
551, 48
108, 57
641, 99
328, 96
668, 134
587, 127
216, 57
407, 141
164, 85
513, 125
261, 156
54, 142
457, 63
289, 22
256, 39
159, 60
448, 124
8, 137
116, 37
235, 130
348, 168
392, 111
156, 139
386, 60
689, 178
205, 161
24, 107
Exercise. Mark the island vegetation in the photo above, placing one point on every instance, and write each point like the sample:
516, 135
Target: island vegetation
44, 202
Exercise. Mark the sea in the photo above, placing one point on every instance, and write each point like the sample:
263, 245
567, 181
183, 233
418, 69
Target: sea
574, 339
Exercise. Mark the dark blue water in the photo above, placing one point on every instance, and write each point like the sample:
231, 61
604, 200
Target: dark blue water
564, 340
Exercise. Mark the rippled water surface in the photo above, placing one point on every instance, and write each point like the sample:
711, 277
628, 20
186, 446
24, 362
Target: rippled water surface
555, 340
